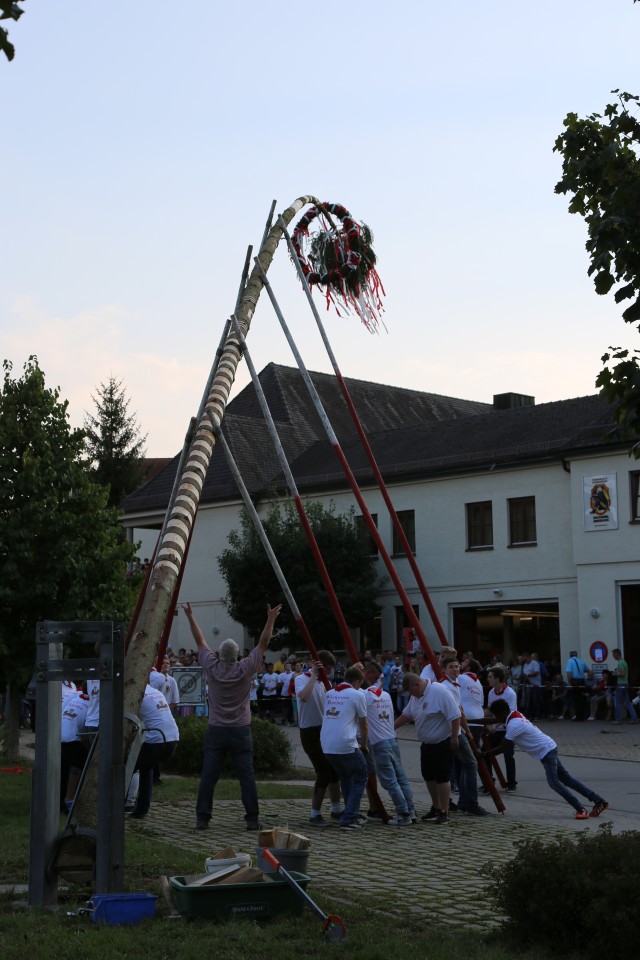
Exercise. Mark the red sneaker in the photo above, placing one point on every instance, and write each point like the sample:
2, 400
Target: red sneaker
599, 808
582, 814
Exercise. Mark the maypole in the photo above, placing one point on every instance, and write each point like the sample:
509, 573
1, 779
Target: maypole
147, 631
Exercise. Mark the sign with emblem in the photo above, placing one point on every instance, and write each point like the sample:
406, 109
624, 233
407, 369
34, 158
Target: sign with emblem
600, 502
191, 685
598, 651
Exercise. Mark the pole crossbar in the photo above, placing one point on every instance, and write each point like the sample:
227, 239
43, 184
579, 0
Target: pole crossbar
397, 526
262, 533
297, 500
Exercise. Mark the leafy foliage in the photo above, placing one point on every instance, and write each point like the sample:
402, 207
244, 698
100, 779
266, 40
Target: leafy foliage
9, 10
62, 553
272, 751
594, 874
252, 583
601, 170
114, 442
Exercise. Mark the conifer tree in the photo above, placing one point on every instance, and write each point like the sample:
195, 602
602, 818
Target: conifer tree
114, 444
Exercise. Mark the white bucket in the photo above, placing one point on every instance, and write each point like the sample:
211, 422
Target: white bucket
241, 860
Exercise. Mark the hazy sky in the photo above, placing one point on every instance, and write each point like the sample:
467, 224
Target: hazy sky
141, 152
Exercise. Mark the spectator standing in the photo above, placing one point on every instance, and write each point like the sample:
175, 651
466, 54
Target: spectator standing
577, 672
229, 728
621, 693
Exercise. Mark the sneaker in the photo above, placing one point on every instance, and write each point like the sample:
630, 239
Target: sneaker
356, 825
254, 825
412, 816
453, 807
591, 718
400, 821
442, 818
599, 808
374, 816
477, 812
202, 825
432, 816
511, 787
318, 822
337, 814
582, 814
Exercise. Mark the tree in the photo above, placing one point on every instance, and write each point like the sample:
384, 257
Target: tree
114, 443
346, 552
8, 11
62, 554
601, 169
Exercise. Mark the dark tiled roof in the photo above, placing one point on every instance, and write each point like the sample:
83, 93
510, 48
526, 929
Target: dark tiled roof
411, 433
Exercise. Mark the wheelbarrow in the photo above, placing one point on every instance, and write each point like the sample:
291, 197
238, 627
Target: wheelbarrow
332, 926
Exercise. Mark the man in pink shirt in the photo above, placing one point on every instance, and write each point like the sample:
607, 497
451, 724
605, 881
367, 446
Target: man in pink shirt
229, 731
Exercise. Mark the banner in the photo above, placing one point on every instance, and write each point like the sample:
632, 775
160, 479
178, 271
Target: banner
600, 499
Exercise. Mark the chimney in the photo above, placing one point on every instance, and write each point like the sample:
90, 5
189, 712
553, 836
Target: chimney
510, 401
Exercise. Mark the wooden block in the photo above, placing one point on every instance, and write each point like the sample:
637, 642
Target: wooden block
204, 880
298, 842
282, 838
267, 838
244, 875
226, 854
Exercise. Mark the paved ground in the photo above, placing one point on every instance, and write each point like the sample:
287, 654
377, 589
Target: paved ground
406, 868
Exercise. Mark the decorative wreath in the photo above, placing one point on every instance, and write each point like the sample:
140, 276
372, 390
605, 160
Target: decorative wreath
340, 259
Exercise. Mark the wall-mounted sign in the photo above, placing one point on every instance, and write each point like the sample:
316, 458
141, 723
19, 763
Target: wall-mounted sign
598, 651
600, 500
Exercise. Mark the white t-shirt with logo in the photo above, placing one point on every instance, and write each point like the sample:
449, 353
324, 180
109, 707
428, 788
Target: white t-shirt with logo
527, 736
433, 713
93, 713
471, 696
269, 684
379, 715
343, 707
157, 718
74, 712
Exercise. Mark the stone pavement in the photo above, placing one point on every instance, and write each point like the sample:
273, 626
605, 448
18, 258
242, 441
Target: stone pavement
424, 868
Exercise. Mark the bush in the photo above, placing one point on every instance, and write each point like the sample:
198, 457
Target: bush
574, 894
272, 751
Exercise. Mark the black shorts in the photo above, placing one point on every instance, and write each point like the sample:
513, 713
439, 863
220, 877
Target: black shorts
435, 761
325, 774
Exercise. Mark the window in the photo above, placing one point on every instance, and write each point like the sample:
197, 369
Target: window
635, 496
407, 520
479, 525
522, 521
365, 533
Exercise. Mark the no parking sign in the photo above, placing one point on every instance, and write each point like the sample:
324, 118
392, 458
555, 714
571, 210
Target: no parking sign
599, 651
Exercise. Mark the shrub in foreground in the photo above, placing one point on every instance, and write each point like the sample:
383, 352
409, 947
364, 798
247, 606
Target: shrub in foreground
572, 894
272, 751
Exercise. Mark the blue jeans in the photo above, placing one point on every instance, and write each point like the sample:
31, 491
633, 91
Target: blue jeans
386, 756
559, 779
466, 767
352, 771
622, 699
218, 742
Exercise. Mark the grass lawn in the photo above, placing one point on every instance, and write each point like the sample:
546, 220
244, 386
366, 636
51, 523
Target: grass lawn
39, 934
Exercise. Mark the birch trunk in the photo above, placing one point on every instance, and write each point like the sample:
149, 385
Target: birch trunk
147, 633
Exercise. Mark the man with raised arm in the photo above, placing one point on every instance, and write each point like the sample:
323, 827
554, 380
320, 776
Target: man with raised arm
229, 731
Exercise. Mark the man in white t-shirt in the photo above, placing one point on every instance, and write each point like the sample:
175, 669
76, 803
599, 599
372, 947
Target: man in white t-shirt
171, 692
344, 720
524, 734
73, 749
161, 738
437, 718
428, 673
384, 748
310, 693
499, 690
464, 761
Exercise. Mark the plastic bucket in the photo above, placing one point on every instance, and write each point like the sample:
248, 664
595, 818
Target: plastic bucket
122, 908
290, 859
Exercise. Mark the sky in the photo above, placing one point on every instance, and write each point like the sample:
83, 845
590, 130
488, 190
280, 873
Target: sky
141, 152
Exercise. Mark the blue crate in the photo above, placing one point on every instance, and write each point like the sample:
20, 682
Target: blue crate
122, 908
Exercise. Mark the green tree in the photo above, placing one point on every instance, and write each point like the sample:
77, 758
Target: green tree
9, 10
601, 170
62, 554
114, 443
252, 584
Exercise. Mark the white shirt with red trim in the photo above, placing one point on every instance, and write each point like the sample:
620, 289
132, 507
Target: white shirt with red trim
157, 719
505, 693
310, 712
74, 712
379, 715
527, 736
68, 689
428, 673
343, 707
471, 696
453, 687
93, 713
433, 713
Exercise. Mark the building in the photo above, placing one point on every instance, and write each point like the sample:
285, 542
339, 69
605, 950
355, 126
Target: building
524, 518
